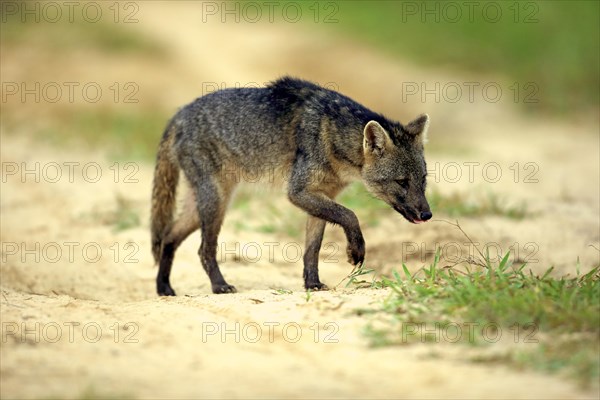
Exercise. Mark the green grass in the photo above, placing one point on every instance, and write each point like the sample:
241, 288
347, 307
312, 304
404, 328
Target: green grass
353, 278
126, 135
557, 50
131, 135
557, 319
458, 205
280, 291
123, 135
124, 215
272, 219
92, 392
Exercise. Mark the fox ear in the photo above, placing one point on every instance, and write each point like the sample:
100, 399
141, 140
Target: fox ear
418, 127
376, 139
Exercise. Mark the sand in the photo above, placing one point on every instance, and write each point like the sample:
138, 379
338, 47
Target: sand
78, 308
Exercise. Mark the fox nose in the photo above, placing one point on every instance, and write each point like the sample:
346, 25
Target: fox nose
426, 215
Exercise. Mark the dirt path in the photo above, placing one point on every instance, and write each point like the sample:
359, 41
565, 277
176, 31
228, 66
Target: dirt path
96, 328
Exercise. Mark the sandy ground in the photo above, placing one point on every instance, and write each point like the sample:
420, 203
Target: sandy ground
78, 309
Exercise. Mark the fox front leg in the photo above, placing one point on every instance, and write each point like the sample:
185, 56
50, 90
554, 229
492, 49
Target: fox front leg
322, 207
315, 227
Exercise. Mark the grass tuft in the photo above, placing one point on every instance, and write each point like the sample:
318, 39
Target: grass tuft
558, 318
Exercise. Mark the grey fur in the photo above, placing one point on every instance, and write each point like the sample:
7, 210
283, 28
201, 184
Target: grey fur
316, 140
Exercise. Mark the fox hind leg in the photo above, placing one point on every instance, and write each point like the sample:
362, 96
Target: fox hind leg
186, 223
212, 198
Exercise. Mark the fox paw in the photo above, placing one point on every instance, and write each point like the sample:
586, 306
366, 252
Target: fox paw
316, 286
165, 290
356, 252
219, 289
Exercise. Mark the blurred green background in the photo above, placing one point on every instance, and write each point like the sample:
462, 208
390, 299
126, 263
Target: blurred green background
552, 44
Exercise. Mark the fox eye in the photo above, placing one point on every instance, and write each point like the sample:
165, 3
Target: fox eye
403, 183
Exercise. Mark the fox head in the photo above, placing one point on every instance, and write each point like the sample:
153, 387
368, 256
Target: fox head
394, 169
